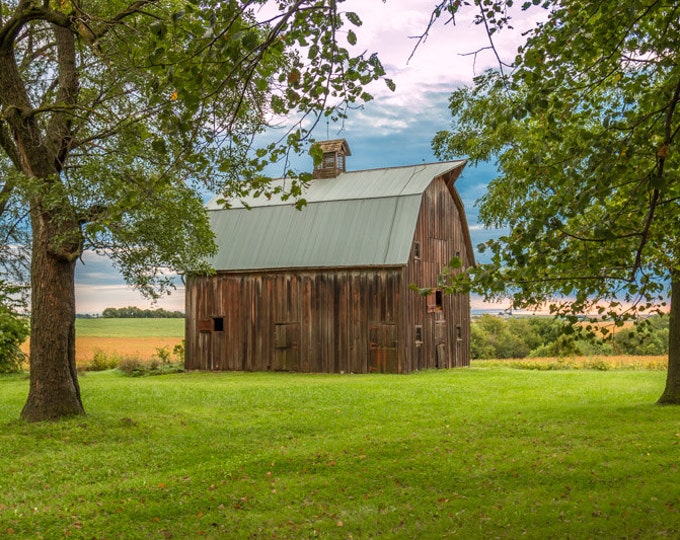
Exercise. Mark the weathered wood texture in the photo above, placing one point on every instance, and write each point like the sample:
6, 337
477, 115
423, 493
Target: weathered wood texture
444, 325
312, 321
332, 320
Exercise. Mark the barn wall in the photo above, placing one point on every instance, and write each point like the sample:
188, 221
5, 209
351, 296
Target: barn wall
440, 235
311, 321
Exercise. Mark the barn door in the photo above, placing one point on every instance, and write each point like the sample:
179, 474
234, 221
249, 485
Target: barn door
287, 347
382, 357
441, 356
205, 352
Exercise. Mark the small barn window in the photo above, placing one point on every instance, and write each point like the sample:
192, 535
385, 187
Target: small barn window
419, 335
434, 301
218, 324
416, 250
459, 332
328, 160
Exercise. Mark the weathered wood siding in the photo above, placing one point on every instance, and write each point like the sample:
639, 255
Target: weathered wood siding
445, 329
341, 320
353, 320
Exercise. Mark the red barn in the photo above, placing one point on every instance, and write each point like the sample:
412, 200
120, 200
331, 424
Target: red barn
326, 289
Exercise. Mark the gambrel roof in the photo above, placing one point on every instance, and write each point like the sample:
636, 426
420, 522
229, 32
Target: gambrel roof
358, 219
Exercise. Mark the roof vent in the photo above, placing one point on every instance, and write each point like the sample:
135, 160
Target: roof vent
333, 163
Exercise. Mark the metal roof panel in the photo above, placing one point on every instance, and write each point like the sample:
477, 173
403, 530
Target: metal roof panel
372, 232
359, 218
368, 184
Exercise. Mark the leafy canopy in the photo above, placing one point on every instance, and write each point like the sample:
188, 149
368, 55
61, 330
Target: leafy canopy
144, 106
13, 328
584, 129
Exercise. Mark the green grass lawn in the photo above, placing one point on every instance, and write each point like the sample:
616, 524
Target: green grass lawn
130, 327
469, 453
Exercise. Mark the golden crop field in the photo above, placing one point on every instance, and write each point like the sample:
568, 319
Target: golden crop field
137, 338
597, 362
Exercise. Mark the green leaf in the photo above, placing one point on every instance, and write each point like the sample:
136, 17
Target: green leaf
353, 18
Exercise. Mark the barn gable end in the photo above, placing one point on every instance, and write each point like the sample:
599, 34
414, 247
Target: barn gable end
326, 289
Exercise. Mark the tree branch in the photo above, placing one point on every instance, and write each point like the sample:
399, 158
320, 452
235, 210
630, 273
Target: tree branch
7, 144
59, 128
27, 11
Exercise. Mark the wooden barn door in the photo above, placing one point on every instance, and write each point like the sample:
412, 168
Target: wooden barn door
382, 353
206, 329
287, 347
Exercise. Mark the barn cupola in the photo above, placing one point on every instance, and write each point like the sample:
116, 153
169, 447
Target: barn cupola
333, 162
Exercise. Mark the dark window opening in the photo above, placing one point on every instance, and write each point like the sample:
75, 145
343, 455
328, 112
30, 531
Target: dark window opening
416, 250
419, 335
434, 301
459, 332
218, 324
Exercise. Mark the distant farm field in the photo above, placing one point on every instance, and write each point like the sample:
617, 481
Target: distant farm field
125, 337
127, 328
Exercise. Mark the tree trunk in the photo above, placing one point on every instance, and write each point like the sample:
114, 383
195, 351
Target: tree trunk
54, 390
671, 395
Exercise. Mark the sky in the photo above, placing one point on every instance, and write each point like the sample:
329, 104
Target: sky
392, 130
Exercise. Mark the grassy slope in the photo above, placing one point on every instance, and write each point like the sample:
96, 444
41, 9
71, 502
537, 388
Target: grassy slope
476, 453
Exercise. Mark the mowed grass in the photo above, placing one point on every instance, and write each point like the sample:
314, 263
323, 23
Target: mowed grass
467, 453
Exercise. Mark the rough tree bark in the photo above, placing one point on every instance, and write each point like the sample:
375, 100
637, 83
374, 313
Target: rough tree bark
671, 394
54, 390
40, 149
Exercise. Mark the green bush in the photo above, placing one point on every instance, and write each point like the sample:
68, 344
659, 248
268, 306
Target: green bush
101, 361
178, 351
163, 355
135, 367
597, 364
593, 347
132, 366
13, 332
648, 337
491, 338
564, 345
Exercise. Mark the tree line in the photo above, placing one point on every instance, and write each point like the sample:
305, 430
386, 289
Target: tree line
495, 337
133, 312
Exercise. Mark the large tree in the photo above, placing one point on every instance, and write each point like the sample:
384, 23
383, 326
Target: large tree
115, 115
584, 126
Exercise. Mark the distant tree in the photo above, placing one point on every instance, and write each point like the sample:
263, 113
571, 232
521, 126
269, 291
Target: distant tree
14, 329
492, 338
133, 312
115, 114
519, 337
649, 337
584, 127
